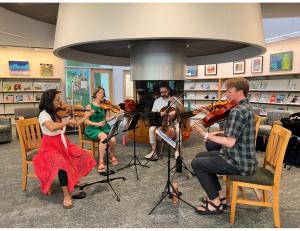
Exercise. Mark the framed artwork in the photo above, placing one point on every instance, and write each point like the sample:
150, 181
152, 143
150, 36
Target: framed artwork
281, 61
211, 69
192, 71
239, 67
46, 69
18, 67
257, 64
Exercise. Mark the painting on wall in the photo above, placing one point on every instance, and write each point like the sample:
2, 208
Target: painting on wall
281, 61
239, 67
211, 69
18, 67
257, 65
192, 71
46, 69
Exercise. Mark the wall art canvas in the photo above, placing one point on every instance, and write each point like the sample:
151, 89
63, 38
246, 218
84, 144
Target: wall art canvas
239, 67
257, 65
281, 61
46, 69
211, 69
18, 67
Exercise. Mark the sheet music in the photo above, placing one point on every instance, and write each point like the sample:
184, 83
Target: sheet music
169, 141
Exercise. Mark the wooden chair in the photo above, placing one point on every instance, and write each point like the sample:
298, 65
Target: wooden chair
264, 179
29, 134
83, 140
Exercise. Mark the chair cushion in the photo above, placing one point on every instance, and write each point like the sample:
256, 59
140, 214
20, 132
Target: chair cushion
262, 176
264, 130
4, 128
31, 154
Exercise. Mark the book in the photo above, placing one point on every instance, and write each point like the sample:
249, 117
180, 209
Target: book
7, 87
27, 98
265, 98
17, 87
273, 99
254, 85
9, 98
280, 98
38, 86
295, 99
18, 98
167, 139
264, 85
26, 86
38, 97
255, 96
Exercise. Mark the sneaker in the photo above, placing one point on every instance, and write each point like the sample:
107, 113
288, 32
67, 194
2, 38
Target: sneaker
149, 156
176, 154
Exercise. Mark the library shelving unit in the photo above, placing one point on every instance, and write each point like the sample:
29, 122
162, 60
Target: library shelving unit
278, 91
23, 92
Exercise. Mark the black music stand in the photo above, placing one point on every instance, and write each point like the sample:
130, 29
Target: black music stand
179, 161
112, 133
132, 126
167, 190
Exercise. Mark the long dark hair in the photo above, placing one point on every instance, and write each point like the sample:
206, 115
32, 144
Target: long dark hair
97, 90
46, 102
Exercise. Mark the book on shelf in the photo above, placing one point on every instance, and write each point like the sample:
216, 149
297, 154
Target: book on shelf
264, 85
295, 99
26, 87
27, 97
264, 98
38, 86
9, 98
38, 97
280, 98
18, 98
255, 96
17, 87
254, 85
7, 87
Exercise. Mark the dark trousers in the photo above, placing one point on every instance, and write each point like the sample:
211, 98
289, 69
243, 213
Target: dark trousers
206, 166
212, 146
63, 177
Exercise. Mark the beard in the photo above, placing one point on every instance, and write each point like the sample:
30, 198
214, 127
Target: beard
165, 96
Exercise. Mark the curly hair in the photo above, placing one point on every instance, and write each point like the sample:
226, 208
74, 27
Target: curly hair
46, 102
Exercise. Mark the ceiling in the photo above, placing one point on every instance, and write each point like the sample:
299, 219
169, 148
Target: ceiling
280, 19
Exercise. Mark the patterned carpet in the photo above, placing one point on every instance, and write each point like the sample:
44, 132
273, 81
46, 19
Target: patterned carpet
101, 209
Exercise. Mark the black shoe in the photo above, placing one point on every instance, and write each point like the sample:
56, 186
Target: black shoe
79, 195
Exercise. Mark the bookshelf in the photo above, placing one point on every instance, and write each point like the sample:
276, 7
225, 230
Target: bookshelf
267, 92
23, 92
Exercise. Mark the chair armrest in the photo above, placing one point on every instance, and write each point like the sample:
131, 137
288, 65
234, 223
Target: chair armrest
5, 121
263, 120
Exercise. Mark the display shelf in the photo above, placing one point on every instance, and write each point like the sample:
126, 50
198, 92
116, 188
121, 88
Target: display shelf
29, 91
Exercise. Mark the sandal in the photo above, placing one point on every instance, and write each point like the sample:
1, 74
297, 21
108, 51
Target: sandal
218, 211
204, 199
113, 160
101, 167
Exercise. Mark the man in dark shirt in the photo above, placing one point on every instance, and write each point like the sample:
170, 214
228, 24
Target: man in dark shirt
237, 155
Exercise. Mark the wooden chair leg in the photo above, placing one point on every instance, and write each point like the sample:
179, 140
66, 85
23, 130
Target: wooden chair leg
24, 176
265, 195
81, 145
228, 182
276, 215
233, 202
93, 150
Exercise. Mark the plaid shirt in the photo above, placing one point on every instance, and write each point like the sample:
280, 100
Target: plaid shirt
240, 125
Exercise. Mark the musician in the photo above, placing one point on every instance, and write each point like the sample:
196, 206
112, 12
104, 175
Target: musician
56, 155
164, 100
98, 128
237, 155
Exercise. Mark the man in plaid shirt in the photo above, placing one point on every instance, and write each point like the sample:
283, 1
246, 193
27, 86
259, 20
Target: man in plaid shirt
237, 155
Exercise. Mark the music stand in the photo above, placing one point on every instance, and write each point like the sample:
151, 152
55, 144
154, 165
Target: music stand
132, 126
167, 191
112, 133
179, 161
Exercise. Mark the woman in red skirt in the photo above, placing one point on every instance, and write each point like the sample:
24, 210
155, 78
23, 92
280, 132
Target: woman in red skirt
57, 156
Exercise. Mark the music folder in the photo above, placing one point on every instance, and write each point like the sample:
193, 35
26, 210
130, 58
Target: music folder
166, 138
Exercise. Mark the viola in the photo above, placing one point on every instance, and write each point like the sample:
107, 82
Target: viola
107, 105
167, 124
130, 105
214, 113
67, 110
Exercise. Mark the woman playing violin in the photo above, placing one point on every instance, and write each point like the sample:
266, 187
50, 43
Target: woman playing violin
237, 155
98, 128
56, 155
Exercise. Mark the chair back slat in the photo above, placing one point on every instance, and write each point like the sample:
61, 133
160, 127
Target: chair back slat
29, 133
257, 123
276, 148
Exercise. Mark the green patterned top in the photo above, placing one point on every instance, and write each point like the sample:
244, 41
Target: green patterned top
91, 131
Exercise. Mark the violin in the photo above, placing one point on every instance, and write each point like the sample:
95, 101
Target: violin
214, 113
130, 105
167, 124
67, 110
107, 105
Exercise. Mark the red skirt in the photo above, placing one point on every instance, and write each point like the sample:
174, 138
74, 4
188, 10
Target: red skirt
53, 156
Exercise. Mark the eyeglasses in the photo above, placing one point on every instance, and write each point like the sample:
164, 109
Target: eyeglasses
163, 92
